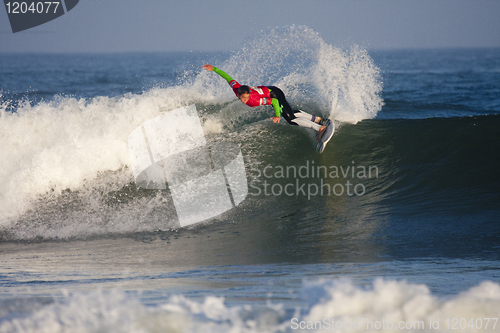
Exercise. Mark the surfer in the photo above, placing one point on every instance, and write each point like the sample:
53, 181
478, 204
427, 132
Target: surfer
271, 95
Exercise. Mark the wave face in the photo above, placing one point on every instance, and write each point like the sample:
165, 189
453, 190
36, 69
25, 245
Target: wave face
66, 169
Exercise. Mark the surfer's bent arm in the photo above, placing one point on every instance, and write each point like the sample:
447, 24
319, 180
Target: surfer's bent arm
277, 107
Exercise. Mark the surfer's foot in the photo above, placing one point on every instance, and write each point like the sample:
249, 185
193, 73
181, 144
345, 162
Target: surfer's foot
318, 120
321, 132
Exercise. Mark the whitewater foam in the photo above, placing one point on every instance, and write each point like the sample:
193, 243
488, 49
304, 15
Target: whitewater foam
384, 306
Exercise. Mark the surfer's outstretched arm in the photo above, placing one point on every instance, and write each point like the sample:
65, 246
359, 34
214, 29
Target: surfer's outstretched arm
223, 74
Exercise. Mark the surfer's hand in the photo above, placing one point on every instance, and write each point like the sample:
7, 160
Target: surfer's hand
208, 67
276, 119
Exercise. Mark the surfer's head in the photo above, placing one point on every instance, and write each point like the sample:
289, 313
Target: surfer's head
243, 94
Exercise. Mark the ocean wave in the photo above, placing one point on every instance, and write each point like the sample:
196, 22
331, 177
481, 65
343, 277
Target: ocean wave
428, 167
75, 145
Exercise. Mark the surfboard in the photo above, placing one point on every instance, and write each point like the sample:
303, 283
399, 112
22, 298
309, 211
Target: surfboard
327, 135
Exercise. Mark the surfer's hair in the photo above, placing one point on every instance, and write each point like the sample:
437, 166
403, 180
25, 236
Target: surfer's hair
243, 90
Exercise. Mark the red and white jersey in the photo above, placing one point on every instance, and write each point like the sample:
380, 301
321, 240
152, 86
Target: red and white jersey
258, 95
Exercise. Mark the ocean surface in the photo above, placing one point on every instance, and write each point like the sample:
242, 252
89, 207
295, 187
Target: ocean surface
395, 227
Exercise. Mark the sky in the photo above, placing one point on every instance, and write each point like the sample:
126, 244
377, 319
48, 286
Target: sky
102, 26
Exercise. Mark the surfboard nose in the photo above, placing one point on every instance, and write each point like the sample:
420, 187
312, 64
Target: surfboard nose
325, 135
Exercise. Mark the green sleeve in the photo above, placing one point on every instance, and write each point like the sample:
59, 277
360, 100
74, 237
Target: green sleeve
277, 107
223, 74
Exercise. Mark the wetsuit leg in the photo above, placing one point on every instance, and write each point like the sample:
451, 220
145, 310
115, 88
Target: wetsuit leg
305, 119
306, 122
286, 109
293, 117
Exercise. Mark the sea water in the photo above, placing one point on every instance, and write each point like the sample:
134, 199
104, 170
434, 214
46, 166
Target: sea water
395, 227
